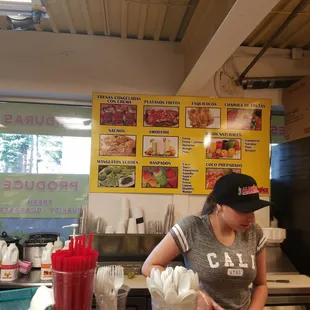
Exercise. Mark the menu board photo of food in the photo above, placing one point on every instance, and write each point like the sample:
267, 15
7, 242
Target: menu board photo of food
117, 145
118, 115
159, 177
180, 145
161, 116
224, 149
116, 176
203, 117
244, 119
155, 146
213, 174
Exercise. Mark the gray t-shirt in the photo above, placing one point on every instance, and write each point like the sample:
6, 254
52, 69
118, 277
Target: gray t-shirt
225, 272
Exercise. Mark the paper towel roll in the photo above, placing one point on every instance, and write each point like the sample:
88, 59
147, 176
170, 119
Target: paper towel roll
137, 213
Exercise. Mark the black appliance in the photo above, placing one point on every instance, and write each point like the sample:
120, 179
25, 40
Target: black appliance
290, 190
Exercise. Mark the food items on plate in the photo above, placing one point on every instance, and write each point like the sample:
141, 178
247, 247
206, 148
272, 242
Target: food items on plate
244, 119
212, 175
226, 149
200, 117
160, 147
117, 145
162, 117
116, 176
160, 177
118, 114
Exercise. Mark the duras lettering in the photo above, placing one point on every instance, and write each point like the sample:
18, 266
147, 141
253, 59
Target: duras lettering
38, 120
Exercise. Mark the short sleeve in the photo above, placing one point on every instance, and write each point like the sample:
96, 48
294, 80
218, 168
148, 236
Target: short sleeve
183, 233
261, 240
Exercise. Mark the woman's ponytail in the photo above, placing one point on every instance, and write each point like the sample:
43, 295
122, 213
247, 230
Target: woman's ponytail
210, 205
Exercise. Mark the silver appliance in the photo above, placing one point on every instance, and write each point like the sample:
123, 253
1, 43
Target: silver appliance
288, 296
34, 245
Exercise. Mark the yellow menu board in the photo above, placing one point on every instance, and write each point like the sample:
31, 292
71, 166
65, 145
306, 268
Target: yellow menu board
176, 145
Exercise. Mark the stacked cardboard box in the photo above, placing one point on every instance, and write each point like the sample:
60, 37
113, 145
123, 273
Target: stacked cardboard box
296, 100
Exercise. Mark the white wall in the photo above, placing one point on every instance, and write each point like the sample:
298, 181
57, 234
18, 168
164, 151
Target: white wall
73, 66
37, 62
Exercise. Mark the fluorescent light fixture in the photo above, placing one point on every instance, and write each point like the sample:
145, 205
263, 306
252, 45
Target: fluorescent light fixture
2, 125
74, 123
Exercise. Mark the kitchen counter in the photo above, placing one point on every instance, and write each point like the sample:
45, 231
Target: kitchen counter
299, 284
33, 279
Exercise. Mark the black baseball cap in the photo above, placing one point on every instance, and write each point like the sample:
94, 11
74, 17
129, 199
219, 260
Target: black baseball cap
239, 192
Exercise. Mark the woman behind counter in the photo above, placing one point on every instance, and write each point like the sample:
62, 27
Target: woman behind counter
223, 245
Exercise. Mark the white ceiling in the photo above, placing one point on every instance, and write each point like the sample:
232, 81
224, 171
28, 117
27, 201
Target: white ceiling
136, 19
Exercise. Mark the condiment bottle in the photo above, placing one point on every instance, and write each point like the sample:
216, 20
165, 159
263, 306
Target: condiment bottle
46, 262
58, 245
9, 266
3, 248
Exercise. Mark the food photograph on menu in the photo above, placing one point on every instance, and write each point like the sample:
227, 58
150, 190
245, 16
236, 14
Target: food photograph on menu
203, 118
224, 149
161, 116
116, 176
244, 119
213, 174
159, 177
118, 115
155, 146
117, 145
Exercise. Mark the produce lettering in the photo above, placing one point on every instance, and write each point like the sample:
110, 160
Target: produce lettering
41, 186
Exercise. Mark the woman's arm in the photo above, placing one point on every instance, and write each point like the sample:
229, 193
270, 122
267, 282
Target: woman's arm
161, 256
260, 290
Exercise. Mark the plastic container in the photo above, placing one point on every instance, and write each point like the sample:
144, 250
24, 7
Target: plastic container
3, 248
58, 245
17, 299
9, 266
121, 299
66, 247
46, 262
165, 306
73, 290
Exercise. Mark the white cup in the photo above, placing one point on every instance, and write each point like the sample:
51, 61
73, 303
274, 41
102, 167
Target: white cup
120, 228
109, 230
132, 226
123, 220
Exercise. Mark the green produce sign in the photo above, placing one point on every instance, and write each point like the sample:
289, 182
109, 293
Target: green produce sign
42, 196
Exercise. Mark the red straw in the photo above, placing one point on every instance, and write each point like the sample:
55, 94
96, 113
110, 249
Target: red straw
74, 291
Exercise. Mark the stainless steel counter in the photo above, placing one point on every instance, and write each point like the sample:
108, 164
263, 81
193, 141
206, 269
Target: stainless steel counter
29, 280
295, 292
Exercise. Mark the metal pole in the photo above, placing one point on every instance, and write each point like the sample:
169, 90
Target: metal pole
299, 7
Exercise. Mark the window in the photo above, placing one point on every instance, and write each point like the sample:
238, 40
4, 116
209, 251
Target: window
44, 166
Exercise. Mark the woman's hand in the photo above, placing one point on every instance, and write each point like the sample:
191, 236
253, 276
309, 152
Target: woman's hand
205, 302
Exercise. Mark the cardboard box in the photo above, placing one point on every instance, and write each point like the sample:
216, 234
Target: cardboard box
296, 100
